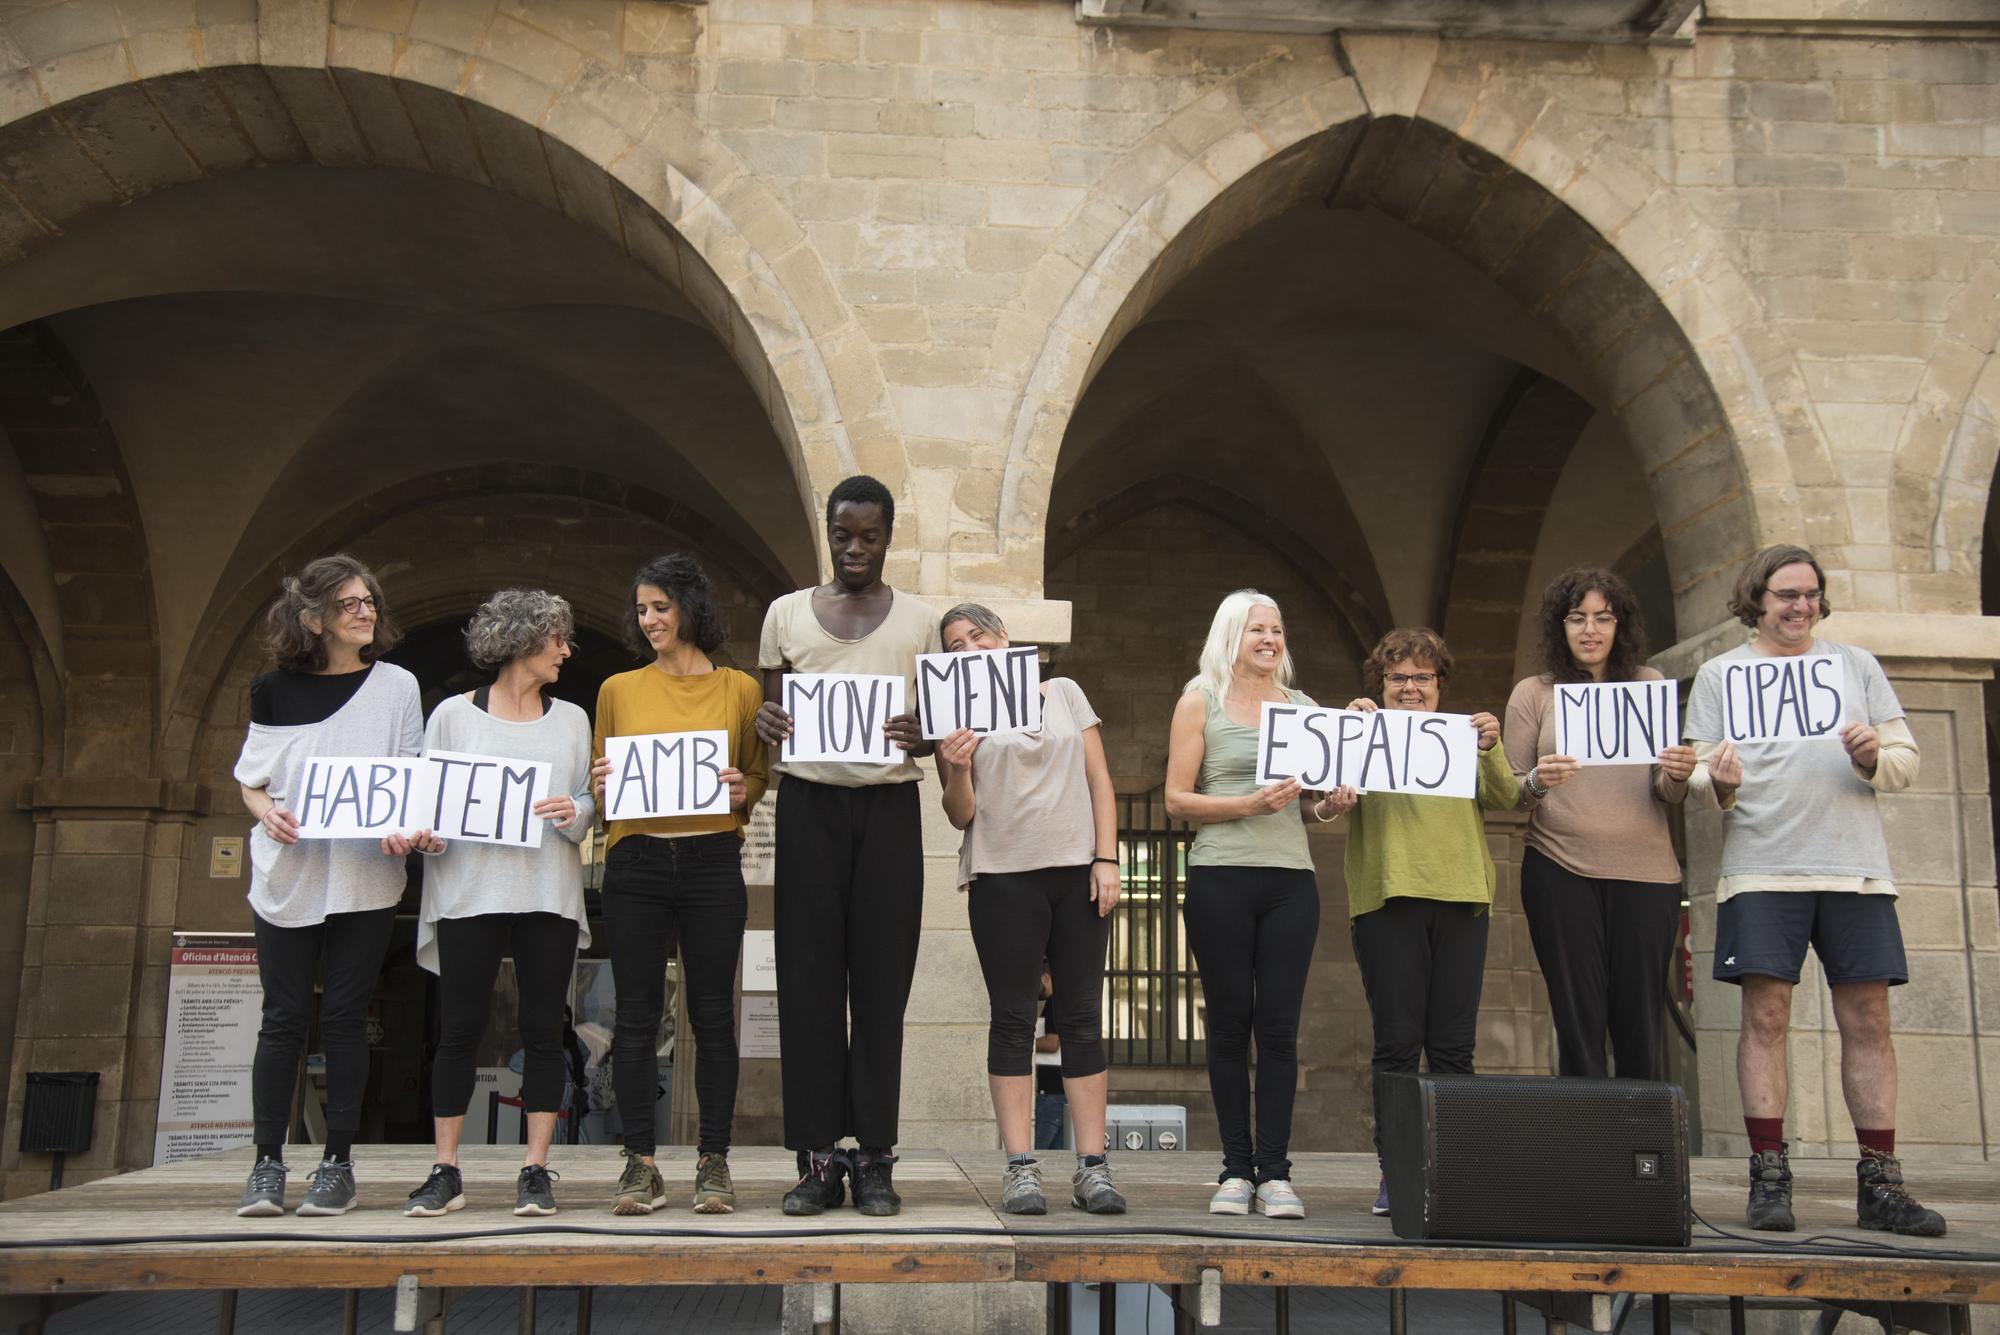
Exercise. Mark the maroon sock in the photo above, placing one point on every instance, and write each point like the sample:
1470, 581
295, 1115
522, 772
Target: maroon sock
1766, 1133
1882, 1141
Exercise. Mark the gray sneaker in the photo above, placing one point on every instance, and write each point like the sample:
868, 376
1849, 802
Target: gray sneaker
533, 1194
641, 1189
1091, 1190
331, 1190
1231, 1197
442, 1192
264, 1194
1021, 1189
714, 1191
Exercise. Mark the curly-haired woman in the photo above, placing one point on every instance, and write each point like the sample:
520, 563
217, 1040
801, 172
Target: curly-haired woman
329, 696
677, 878
487, 902
1599, 881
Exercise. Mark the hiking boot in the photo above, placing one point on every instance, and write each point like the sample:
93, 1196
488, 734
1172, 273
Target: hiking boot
1021, 1189
1091, 1190
442, 1192
1884, 1203
1275, 1199
1770, 1191
1232, 1196
264, 1194
819, 1187
874, 1193
714, 1191
331, 1190
534, 1193
641, 1189
1381, 1205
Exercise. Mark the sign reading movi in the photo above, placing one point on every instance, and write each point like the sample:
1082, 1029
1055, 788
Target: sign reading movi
986, 690
840, 716
1383, 751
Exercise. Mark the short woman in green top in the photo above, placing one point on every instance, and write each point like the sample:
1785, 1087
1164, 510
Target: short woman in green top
1252, 901
1420, 882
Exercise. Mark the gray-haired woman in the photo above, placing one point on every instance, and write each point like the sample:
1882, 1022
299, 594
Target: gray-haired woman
483, 902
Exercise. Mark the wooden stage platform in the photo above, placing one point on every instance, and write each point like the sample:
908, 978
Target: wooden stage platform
175, 1228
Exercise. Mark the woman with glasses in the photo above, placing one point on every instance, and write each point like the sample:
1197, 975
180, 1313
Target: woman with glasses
1420, 883
329, 696
486, 902
1599, 881
1252, 900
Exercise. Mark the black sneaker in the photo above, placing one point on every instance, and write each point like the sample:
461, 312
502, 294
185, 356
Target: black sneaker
1884, 1203
264, 1194
533, 1195
1770, 1192
874, 1193
442, 1192
331, 1190
819, 1185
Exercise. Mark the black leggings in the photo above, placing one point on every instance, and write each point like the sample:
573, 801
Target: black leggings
1252, 931
287, 961
469, 953
1020, 919
1422, 963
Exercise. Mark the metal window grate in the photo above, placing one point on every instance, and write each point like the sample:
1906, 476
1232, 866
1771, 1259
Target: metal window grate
1152, 997
58, 1112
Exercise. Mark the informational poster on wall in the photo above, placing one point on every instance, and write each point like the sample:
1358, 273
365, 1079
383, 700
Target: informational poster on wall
757, 1031
760, 841
214, 1006
760, 960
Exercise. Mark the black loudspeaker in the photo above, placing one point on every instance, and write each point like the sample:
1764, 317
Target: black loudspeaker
1498, 1158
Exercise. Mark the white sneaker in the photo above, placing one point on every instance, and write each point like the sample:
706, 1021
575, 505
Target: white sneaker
1232, 1197
1277, 1200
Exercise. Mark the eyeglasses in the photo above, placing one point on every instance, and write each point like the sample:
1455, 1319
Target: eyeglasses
352, 606
1595, 620
1790, 596
1411, 678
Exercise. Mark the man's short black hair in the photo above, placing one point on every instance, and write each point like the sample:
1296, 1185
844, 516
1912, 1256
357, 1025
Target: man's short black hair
861, 489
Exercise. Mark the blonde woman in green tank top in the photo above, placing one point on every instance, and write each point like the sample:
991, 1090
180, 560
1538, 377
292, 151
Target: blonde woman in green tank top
1252, 901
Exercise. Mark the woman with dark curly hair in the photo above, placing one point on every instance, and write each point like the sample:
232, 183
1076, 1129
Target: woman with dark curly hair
1599, 881
486, 902
330, 696
1420, 882
677, 878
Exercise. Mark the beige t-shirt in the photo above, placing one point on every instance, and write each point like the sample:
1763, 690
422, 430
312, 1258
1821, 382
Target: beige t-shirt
794, 641
1031, 802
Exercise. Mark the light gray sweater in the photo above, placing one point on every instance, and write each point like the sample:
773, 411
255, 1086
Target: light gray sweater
469, 879
298, 885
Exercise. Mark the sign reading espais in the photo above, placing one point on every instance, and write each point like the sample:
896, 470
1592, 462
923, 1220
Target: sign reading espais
986, 690
1383, 751
840, 715
666, 774
1617, 722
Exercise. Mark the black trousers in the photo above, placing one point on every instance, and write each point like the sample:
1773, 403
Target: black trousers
1605, 948
657, 893
1019, 919
1252, 931
469, 953
1422, 963
288, 959
850, 908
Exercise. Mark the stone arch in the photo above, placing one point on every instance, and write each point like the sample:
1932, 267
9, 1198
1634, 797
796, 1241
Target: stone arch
557, 118
96, 541
1946, 454
1643, 293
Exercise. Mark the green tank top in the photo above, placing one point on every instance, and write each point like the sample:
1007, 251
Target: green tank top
1229, 769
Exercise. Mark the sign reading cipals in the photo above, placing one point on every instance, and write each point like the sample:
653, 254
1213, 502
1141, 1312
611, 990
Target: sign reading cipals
1617, 722
480, 799
986, 690
1789, 699
1384, 751
840, 715
666, 774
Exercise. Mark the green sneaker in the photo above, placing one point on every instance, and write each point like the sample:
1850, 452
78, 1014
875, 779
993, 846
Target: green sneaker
714, 1193
641, 1189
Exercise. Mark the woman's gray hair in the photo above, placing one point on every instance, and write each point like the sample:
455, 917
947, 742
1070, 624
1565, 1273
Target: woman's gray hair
982, 618
514, 623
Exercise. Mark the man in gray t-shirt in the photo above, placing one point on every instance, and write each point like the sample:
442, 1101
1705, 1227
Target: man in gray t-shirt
1804, 862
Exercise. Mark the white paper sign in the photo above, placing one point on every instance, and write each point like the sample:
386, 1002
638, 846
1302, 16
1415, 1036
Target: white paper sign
986, 690
666, 774
356, 797
1784, 699
760, 961
757, 1032
1386, 751
839, 716
215, 1004
1617, 722
479, 799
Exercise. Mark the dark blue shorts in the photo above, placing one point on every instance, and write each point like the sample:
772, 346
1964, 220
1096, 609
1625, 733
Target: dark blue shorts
1856, 936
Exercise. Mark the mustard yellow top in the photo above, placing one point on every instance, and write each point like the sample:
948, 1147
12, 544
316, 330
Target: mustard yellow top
647, 700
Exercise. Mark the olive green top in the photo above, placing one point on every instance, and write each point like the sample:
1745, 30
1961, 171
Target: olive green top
1229, 769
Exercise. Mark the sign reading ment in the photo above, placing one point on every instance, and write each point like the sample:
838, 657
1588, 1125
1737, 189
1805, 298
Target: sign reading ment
840, 716
1384, 751
1617, 722
666, 774
986, 690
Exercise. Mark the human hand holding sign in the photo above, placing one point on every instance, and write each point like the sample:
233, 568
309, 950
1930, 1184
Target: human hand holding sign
1271, 797
561, 810
773, 724
1337, 802
956, 748
1488, 729
421, 841
1864, 745
599, 768
739, 789
905, 731
1554, 771
1677, 762
1725, 767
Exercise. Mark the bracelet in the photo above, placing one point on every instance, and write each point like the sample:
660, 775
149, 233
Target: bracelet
1533, 786
1324, 820
1113, 861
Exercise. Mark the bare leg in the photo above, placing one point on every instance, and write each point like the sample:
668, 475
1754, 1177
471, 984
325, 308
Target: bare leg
447, 1131
1087, 1095
1760, 1046
1867, 1055
1014, 1108
541, 1130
